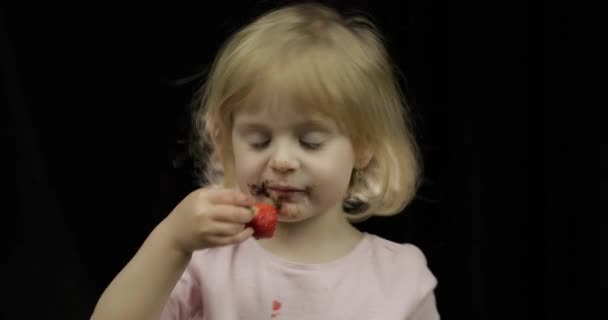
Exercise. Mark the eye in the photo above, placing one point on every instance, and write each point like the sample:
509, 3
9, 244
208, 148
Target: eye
257, 140
260, 145
310, 145
312, 140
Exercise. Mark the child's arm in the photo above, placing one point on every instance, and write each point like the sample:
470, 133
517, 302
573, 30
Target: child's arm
205, 218
141, 289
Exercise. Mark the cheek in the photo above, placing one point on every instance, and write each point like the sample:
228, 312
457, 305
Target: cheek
333, 172
246, 166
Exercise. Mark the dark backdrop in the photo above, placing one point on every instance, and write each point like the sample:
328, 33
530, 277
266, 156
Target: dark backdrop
95, 115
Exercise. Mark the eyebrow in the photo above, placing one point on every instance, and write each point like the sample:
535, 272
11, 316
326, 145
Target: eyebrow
307, 125
250, 126
315, 125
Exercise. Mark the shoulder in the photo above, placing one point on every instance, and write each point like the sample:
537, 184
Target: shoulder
403, 263
405, 253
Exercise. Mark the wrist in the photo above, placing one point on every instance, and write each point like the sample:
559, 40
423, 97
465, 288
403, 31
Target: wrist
166, 239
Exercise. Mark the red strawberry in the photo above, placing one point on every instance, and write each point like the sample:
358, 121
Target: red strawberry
264, 220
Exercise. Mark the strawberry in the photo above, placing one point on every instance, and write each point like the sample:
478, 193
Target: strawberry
264, 220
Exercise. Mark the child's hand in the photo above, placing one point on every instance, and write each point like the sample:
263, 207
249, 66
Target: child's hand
208, 218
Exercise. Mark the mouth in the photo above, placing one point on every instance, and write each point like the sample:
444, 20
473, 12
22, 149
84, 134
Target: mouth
284, 193
278, 193
284, 189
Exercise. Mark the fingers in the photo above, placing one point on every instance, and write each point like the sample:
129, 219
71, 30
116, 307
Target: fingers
234, 197
228, 213
226, 229
232, 239
220, 217
243, 235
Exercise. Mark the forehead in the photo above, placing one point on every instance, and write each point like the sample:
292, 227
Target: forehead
282, 113
283, 92
276, 102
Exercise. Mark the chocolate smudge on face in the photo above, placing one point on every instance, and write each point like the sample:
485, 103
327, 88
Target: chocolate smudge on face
261, 190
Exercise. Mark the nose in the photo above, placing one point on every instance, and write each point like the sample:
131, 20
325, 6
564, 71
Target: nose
283, 160
282, 166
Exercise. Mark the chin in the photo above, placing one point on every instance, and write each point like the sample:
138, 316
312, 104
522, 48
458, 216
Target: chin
291, 219
291, 213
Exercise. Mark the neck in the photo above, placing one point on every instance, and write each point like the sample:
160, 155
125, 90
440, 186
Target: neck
318, 239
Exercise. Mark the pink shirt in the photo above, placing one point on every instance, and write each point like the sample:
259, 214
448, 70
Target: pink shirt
378, 279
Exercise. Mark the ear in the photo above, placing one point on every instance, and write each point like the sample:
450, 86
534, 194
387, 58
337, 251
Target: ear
223, 145
364, 158
216, 133
215, 136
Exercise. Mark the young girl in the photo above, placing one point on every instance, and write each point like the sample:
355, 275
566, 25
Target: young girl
304, 102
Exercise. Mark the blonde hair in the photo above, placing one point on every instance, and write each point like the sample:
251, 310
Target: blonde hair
337, 65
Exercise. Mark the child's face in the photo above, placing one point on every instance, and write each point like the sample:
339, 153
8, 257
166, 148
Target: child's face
304, 158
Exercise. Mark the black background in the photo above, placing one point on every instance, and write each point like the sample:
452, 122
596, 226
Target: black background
95, 114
